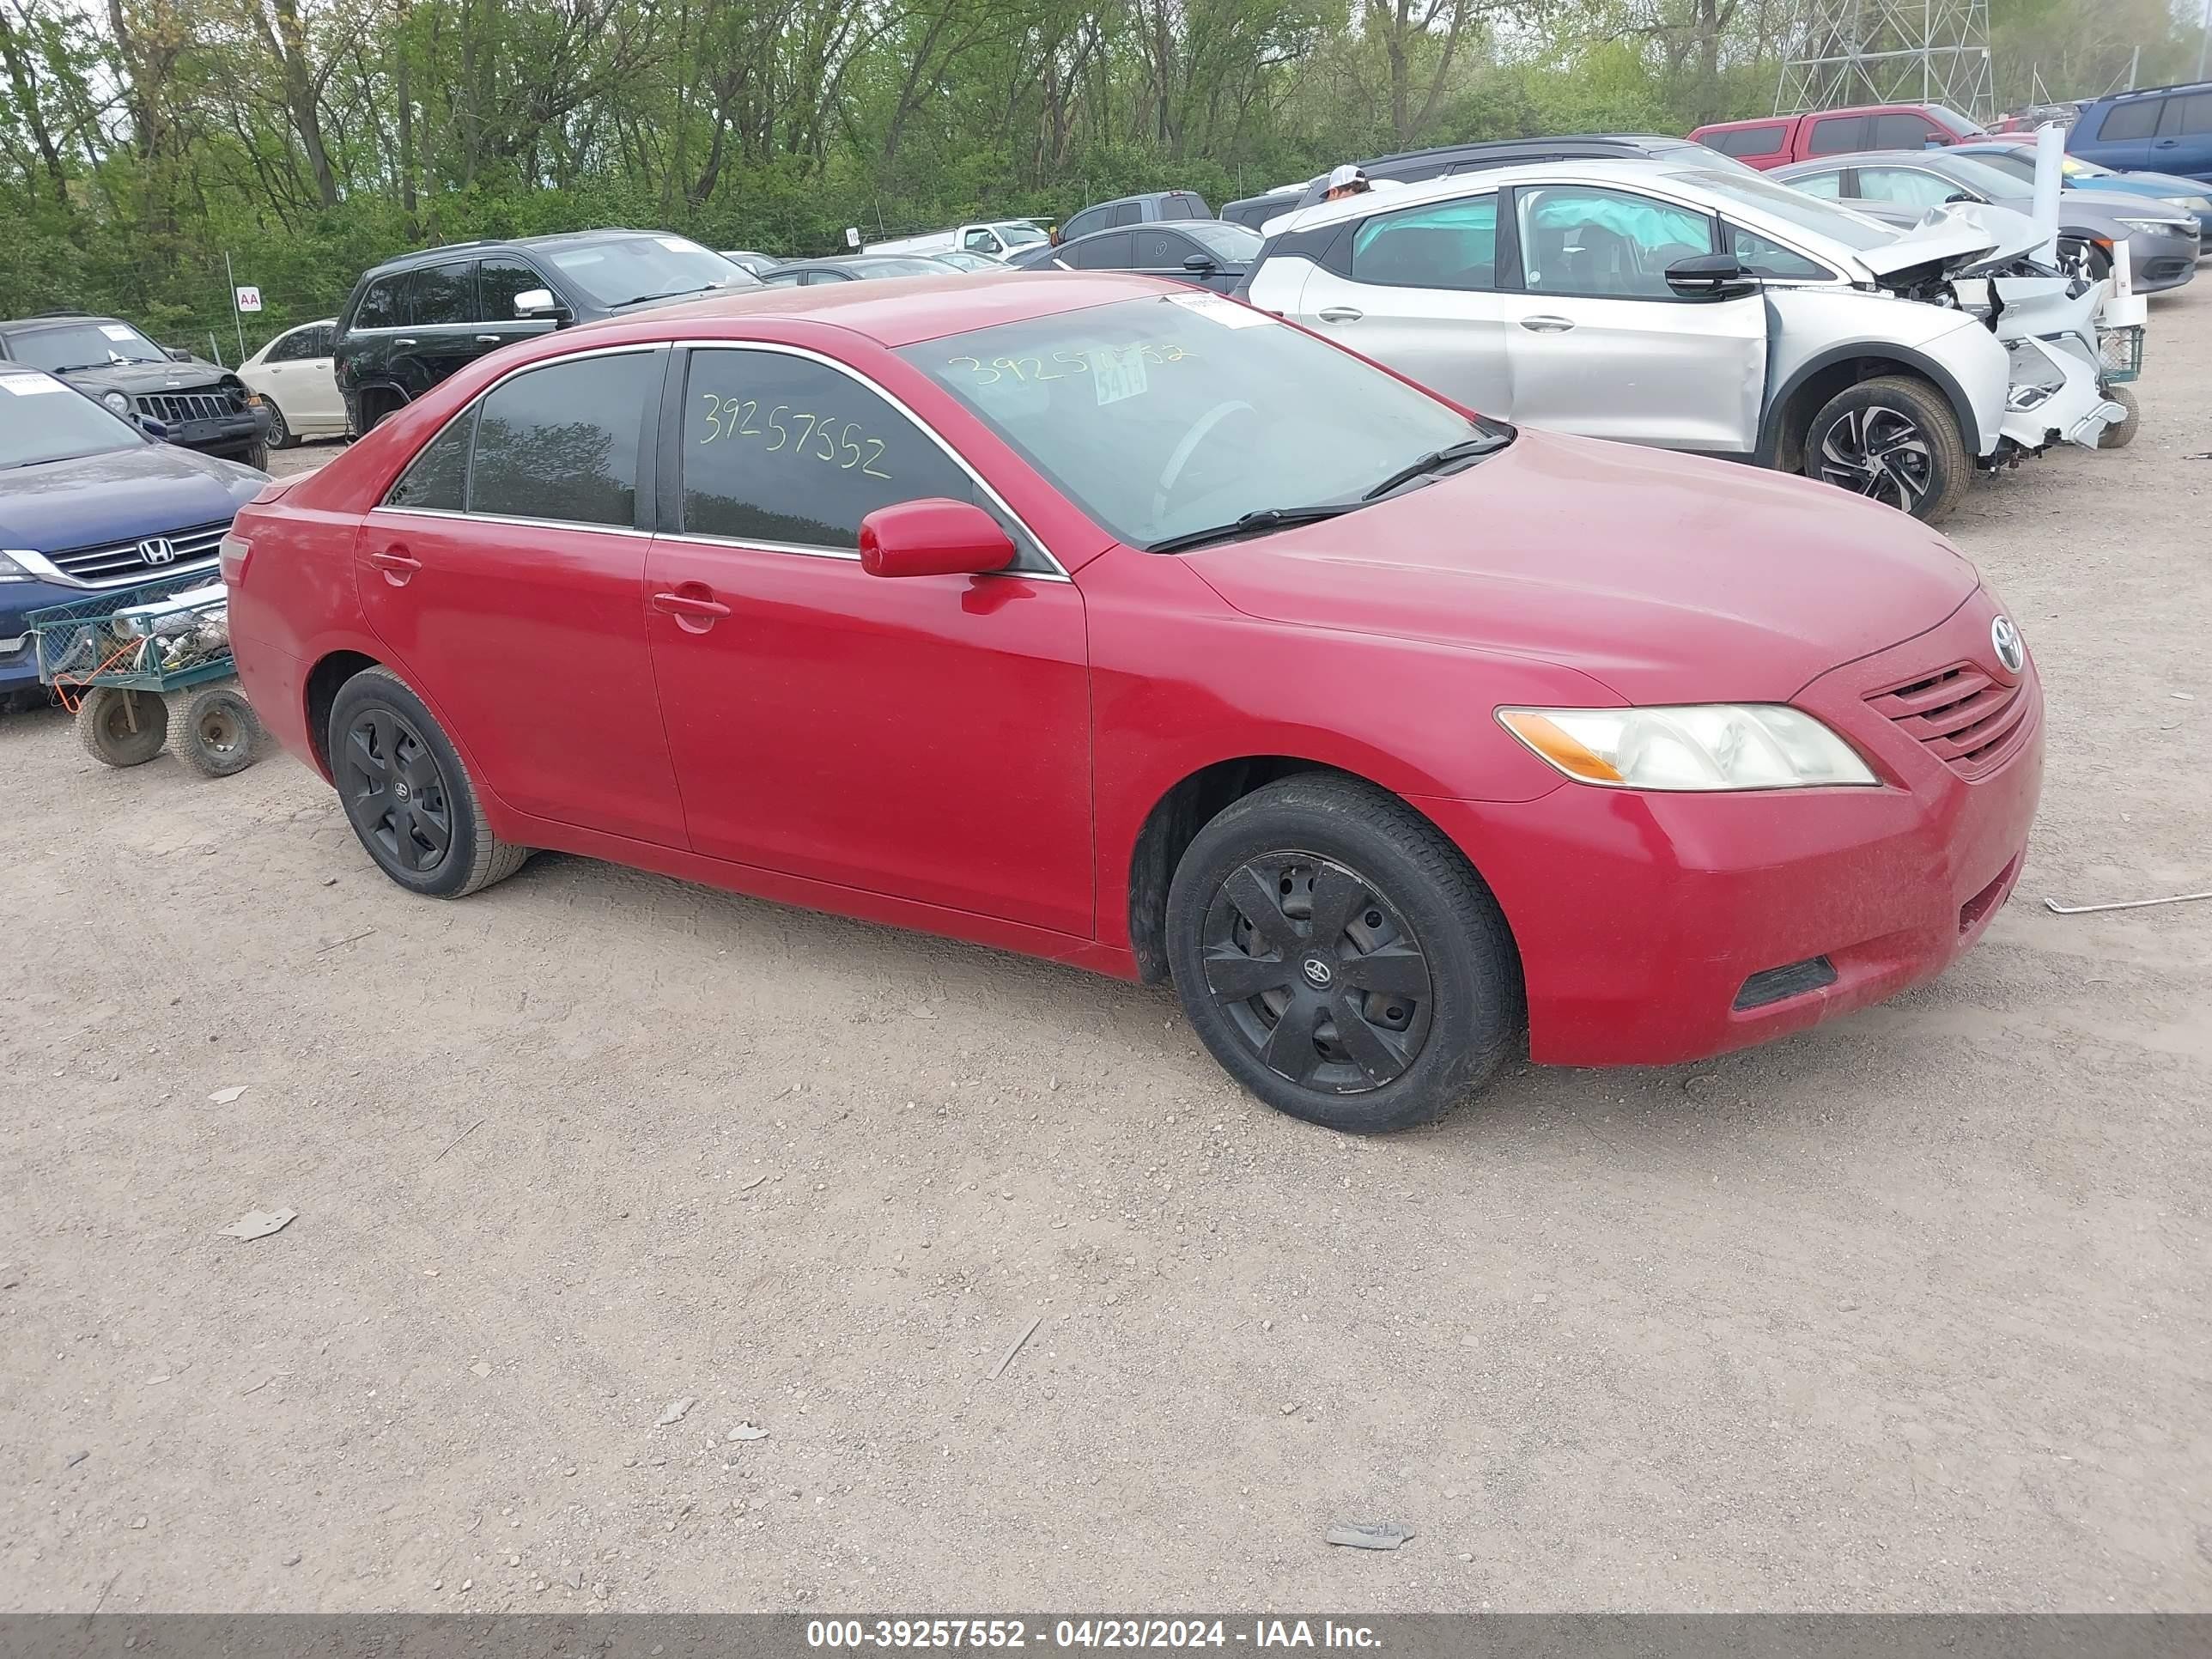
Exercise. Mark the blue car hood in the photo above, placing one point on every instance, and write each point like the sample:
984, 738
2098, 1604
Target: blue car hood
118, 496
2145, 184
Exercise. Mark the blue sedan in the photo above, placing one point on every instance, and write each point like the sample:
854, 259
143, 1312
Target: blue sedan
88, 502
2190, 195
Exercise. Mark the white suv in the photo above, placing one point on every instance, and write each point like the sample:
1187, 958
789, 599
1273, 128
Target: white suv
1694, 308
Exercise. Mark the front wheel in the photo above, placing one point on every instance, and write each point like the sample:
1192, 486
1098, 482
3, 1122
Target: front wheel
1893, 440
281, 435
406, 794
1339, 958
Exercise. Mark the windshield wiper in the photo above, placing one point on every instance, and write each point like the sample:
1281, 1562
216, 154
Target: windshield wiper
1266, 518
1467, 449
673, 293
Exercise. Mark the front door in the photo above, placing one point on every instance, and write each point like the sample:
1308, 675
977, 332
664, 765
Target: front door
1417, 289
927, 736
504, 572
441, 334
1598, 344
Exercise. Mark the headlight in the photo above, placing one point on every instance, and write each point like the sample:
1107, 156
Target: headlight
1700, 746
116, 401
2198, 204
2158, 224
12, 570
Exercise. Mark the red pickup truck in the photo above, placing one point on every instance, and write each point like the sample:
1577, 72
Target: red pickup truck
1778, 140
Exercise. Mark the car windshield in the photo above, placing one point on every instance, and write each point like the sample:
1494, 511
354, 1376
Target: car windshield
2074, 167
623, 269
84, 345
1232, 243
1964, 125
42, 420
1838, 224
1160, 416
1019, 235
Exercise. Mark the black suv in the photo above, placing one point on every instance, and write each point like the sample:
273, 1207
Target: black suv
412, 321
171, 394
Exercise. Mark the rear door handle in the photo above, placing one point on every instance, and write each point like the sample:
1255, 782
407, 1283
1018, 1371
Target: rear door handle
1547, 325
1341, 314
397, 564
693, 606
407, 343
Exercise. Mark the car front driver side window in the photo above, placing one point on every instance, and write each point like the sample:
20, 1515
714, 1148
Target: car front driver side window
1606, 244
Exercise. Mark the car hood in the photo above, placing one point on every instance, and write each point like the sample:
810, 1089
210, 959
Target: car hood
139, 378
1668, 578
120, 496
2158, 185
1956, 238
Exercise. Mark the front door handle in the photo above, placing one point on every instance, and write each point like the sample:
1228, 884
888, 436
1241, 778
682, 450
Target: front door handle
397, 564
1547, 325
1341, 314
693, 606
488, 339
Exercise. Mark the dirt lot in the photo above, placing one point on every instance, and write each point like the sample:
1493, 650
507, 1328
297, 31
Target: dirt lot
1911, 1313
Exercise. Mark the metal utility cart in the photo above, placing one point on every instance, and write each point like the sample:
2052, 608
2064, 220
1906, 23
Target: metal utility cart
118, 658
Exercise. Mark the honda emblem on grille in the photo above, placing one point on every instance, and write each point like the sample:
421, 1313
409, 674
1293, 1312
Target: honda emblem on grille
2004, 639
157, 550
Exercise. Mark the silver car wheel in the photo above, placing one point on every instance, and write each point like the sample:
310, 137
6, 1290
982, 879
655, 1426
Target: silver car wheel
1880, 453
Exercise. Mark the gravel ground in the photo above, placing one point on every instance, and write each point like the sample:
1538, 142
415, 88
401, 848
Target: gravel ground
1908, 1313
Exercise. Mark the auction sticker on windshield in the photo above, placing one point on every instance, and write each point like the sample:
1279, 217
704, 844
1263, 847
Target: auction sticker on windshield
1215, 309
115, 332
1118, 373
29, 385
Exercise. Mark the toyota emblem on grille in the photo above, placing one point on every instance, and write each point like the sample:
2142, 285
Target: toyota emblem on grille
2004, 639
157, 550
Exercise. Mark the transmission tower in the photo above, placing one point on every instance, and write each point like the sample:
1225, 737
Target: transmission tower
1888, 51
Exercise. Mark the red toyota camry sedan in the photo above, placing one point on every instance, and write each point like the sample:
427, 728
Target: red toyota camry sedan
1114, 622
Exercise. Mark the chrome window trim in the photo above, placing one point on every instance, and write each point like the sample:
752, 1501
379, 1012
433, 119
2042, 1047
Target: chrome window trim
1057, 572
504, 518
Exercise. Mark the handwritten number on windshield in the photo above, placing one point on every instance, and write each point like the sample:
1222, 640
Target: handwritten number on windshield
844, 445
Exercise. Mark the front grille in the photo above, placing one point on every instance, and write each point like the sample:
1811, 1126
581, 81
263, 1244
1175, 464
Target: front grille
117, 563
1966, 718
175, 407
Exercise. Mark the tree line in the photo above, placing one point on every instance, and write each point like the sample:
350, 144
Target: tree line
143, 140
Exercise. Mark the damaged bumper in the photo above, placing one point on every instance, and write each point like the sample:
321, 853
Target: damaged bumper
2055, 396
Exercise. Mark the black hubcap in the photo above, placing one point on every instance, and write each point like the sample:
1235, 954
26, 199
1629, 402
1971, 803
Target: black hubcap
396, 791
1317, 971
1879, 452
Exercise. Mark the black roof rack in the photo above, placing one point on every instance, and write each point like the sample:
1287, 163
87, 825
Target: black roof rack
2178, 86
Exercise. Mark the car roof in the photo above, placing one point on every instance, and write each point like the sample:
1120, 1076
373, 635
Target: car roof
431, 256
899, 310
1625, 170
2151, 92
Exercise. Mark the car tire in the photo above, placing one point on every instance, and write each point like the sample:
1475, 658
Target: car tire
2121, 433
1408, 1008
255, 455
122, 728
1892, 438
412, 803
220, 733
281, 435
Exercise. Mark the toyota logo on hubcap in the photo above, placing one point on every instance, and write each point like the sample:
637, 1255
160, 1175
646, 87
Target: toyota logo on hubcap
1318, 971
2005, 641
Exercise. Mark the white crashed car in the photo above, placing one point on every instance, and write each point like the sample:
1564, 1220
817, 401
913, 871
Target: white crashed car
1692, 308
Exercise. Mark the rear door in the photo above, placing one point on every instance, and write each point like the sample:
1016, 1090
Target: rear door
1600, 345
2184, 141
1417, 289
505, 573
2123, 134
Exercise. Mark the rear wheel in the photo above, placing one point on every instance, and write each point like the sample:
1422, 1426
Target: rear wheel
1893, 440
220, 731
406, 794
122, 728
1339, 957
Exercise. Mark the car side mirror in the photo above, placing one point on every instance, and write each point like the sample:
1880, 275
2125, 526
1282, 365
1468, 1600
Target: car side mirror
1710, 276
538, 305
934, 538
179, 354
1200, 263
1960, 196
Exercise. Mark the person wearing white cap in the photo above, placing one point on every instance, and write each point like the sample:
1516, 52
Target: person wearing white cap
1345, 180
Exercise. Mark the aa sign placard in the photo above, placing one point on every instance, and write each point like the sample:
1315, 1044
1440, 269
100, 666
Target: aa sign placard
249, 298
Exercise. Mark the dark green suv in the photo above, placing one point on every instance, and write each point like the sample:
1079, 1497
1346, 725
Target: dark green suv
412, 321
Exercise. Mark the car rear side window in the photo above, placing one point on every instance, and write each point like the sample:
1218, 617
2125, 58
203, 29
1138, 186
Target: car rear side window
380, 306
560, 442
444, 295
1828, 186
2134, 119
1449, 244
437, 479
1836, 135
784, 450
294, 347
1750, 141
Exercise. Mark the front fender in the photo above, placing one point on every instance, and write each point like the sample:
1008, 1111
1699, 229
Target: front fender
1820, 328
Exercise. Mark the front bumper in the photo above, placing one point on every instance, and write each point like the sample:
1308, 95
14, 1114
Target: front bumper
2161, 259
1640, 917
229, 434
19, 654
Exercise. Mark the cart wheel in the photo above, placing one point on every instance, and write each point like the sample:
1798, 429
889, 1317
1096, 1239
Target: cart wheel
2121, 433
123, 728
220, 733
